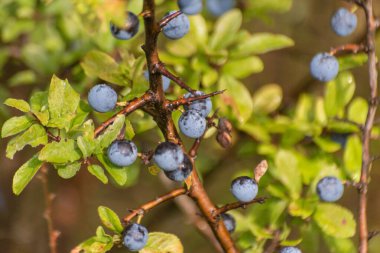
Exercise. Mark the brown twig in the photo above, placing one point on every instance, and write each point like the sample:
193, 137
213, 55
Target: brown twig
274, 243
238, 204
133, 105
159, 67
53, 234
172, 105
351, 48
151, 204
366, 138
168, 18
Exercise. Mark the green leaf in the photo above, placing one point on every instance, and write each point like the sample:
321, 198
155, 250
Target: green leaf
162, 243
352, 61
19, 104
111, 133
261, 43
335, 221
24, 77
99, 64
25, 173
16, 125
261, 8
326, 144
352, 157
339, 245
357, 110
225, 30
69, 170
86, 145
238, 98
242, 68
100, 243
63, 103
267, 99
34, 136
339, 92
119, 174
98, 172
303, 208
39, 106
60, 152
110, 219
129, 131
287, 172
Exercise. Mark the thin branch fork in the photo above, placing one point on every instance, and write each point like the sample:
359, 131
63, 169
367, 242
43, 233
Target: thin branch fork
151, 204
238, 204
132, 106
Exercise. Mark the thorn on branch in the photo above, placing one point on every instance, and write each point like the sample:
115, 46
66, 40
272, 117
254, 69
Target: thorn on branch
237, 205
172, 105
168, 18
373, 234
351, 48
161, 69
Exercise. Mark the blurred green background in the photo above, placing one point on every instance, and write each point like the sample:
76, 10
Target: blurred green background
22, 226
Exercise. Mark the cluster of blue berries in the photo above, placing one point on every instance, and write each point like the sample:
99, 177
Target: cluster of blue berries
324, 66
192, 122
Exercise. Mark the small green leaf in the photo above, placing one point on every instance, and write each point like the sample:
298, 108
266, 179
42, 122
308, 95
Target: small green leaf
339, 245
335, 221
100, 243
238, 98
352, 61
25, 173
39, 106
24, 77
352, 157
86, 145
267, 99
357, 110
162, 243
110, 219
326, 144
98, 172
69, 170
60, 152
63, 102
261, 43
303, 208
287, 172
242, 68
129, 131
119, 174
225, 30
16, 125
19, 104
111, 133
339, 92
34, 136
99, 64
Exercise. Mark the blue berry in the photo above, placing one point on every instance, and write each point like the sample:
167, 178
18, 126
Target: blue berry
290, 250
168, 156
130, 28
330, 189
324, 67
102, 98
177, 27
340, 138
122, 153
344, 22
182, 172
165, 80
203, 106
229, 222
190, 7
135, 237
219, 7
244, 189
192, 124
